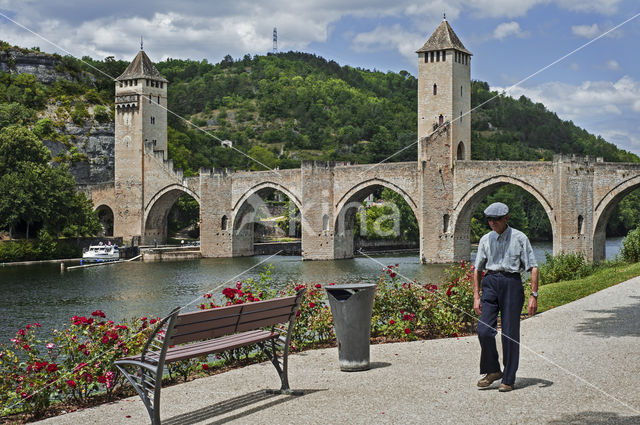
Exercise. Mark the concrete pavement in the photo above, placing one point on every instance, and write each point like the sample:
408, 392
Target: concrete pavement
580, 363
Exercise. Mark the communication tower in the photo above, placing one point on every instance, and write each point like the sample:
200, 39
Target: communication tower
275, 40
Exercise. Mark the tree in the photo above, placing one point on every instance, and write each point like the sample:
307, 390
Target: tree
17, 145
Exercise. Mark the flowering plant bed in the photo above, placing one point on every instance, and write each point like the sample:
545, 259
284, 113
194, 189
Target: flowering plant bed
74, 368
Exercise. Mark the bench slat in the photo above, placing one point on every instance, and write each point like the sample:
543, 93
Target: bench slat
261, 323
211, 314
272, 303
218, 345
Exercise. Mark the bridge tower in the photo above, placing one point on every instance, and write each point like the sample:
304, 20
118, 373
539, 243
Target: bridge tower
140, 125
444, 134
444, 89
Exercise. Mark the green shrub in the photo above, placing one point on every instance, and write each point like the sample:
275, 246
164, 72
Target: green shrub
631, 246
101, 114
564, 266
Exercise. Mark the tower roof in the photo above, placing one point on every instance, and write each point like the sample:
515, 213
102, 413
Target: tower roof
443, 38
141, 67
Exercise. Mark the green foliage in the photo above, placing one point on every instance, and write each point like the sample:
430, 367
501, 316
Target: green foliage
564, 266
631, 246
34, 193
101, 114
526, 214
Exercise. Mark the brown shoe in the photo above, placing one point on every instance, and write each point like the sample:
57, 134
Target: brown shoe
488, 379
504, 388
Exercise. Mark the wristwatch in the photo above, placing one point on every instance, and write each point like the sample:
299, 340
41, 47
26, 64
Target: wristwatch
534, 294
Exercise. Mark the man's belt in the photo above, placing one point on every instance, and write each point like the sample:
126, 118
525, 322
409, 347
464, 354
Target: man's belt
503, 273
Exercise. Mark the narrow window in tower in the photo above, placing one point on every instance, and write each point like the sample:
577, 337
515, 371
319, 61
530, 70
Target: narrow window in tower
435, 89
440, 120
147, 83
438, 56
158, 100
135, 82
160, 84
432, 55
460, 90
444, 56
149, 99
120, 83
153, 120
223, 225
460, 117
580, 225
426, 57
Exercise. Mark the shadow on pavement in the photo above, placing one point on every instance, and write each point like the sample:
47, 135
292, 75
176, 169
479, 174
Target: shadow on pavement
232, 404
595, 418
530, 382
378, 365
622, 321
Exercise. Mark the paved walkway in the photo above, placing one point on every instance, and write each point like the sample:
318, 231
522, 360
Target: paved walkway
580, 363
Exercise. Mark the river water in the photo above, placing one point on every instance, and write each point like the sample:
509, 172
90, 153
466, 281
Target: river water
42, 294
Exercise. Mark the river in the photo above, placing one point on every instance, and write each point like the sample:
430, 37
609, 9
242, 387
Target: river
42, 294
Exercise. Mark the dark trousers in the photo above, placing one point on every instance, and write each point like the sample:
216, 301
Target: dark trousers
505, 294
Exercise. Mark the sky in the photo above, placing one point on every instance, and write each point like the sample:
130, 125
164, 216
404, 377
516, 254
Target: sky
526, 47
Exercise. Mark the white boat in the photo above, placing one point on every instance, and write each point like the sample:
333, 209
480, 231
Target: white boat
100, 253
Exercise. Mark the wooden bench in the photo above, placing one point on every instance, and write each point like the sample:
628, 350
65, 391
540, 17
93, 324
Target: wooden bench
183, 336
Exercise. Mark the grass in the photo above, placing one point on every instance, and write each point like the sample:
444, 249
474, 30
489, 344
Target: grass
560, 293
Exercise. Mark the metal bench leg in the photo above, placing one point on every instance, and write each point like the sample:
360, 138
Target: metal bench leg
144, 384
271, 351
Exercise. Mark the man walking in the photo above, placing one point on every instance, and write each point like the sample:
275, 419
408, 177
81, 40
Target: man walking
504, 253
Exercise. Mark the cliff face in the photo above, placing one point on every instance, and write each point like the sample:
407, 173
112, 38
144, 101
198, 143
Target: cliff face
41, 65
94, 140
91, 148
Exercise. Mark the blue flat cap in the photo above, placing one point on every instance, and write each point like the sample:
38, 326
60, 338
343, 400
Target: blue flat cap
497, 209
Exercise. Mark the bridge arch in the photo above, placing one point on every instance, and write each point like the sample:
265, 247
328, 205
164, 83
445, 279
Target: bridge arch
347, 206
602, 213
244, 214
106, 217
156, 212
466, 206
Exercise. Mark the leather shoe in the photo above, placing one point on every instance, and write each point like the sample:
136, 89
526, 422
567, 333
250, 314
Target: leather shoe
504, 388
488, 379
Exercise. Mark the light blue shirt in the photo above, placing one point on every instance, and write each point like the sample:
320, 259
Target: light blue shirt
509, 252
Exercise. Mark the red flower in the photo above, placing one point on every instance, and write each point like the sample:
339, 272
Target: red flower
297, 313
299, 287
406, 317
208, 295
102, 379
449, 292
455, 334
205, 366
311, 305
229, 293
71, 383
238, 285
392, 274
98, 313
52, 367
26, 347
332, 283
21, 332
105, 339
391, 322
318, 286
407, 331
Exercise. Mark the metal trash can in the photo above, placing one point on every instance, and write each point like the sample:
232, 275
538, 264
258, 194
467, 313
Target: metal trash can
352, 306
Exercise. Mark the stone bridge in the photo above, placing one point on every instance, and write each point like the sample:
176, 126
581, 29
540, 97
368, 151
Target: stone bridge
577, 193
443, 188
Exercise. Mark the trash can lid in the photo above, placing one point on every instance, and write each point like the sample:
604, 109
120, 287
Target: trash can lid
350, 286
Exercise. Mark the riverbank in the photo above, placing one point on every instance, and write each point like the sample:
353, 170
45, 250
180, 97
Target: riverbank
571, 371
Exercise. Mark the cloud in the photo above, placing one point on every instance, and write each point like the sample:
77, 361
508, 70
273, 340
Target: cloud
388, 38
612, 65
508, 29
588, 31
602, 107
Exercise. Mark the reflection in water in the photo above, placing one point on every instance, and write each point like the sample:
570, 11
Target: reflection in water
41, 294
